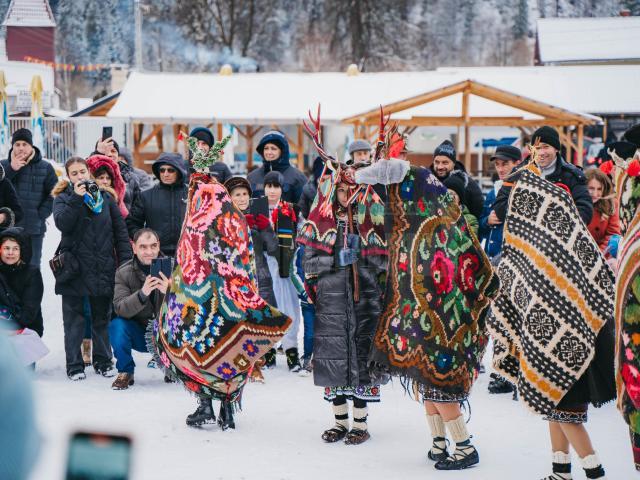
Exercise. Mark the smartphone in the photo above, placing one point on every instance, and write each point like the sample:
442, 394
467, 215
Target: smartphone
98, 456
107, 132
164, 265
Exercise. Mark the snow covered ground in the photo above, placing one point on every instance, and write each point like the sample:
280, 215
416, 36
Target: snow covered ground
278, 432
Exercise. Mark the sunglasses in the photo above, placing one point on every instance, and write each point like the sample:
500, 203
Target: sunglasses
167, 170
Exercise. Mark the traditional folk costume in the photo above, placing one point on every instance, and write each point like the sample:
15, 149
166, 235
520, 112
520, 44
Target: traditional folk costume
627, 306
552, 323
283, 218
439, 281
214, 325
344, 262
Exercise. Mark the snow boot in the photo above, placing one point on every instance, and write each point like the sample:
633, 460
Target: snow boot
293, 362
86, 351
561, 467
356, 437
123, 381
77, 375
270, 359
203, 414
225, 417
499, 384
465, 454
307, 367
105, 369
592, 467
438, 450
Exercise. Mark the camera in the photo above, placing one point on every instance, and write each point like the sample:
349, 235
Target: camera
92, 187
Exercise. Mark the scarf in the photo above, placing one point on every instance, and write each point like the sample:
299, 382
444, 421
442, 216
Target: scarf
94, 203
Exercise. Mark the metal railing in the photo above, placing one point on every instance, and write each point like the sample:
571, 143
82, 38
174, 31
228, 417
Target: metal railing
65, 137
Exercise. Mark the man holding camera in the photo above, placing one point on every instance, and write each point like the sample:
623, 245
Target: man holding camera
137, 299
33, 179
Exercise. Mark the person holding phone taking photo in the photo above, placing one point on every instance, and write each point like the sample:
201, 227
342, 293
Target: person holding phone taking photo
137, 298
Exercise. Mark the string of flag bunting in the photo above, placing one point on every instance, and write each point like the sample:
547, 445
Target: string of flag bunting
68, 67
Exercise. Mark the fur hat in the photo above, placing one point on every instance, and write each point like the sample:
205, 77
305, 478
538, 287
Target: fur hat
237, 182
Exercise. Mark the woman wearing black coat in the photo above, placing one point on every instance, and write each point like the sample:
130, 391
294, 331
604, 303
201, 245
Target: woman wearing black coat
21, 285
344, 328
94, 231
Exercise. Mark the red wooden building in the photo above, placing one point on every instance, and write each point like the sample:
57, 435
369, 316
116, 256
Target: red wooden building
30, 30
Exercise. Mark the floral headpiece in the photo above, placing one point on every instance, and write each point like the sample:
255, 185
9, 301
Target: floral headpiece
201, 161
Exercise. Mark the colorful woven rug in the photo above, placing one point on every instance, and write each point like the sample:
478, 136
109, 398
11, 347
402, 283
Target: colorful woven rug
431, 332
214, 326
556, 294
627, 308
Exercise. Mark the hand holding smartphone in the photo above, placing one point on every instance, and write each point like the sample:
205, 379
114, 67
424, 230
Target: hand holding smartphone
98, 456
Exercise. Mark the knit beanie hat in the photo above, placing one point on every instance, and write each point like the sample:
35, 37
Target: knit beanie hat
237, 182
274, 178
23, 134
446, 149
203, 134
457, 181
546, 135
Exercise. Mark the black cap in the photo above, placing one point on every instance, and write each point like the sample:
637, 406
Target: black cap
633, 135
508, 153
546, 135
203, 134
274, 178
23, 134
624, 150
458, 182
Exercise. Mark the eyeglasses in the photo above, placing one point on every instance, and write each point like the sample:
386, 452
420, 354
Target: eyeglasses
167, 170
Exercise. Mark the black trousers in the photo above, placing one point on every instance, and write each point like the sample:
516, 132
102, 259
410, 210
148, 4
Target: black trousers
74, 324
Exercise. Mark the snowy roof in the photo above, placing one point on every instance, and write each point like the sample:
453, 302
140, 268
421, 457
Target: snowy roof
29, 13
271, 98
19, 75
589, 39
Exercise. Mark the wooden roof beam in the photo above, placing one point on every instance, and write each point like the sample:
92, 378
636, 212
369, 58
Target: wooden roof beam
482, 122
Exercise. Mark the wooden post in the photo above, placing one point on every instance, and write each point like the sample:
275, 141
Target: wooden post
219, 127
467, 140
604, 131
580, 149
300, 149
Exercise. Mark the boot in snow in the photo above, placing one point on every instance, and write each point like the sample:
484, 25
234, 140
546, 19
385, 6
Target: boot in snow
225, 417
203, 414
86, 351
270, 359
293, 362
499, 384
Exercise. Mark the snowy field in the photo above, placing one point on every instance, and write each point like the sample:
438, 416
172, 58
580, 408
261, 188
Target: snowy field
277, 434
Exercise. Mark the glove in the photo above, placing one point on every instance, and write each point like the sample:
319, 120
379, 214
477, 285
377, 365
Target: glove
251, 221
612, 246
262, 222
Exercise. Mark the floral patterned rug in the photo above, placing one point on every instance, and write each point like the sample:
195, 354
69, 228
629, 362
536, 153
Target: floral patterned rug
214, 326
439, 282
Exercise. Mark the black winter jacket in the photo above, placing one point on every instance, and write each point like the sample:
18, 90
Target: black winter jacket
33, 183
474, 198
99, 241
308, 196
294, 179
343, 329
264, 242
21, 286
162, 207
9, 197
566, 174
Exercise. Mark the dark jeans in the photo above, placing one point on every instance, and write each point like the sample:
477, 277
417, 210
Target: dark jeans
308, 316
126, 335
36, 249
86, 305
74, 322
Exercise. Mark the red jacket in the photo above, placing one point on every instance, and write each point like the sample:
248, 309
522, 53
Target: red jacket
602, 228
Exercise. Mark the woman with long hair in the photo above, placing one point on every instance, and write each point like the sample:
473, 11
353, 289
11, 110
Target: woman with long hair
605, 223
